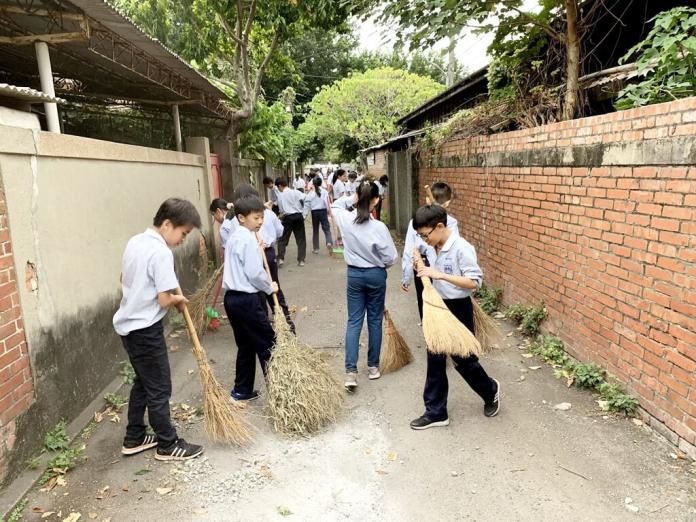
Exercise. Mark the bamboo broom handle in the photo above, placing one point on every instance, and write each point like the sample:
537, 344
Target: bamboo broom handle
429, 195
419, 263
197, 348
268, 270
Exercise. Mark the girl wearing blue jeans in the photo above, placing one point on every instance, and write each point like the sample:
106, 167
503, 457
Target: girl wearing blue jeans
368, 250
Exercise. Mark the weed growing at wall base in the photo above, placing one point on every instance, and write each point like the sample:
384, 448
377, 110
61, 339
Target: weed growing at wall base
127, 372
61, 464
528, 317
16, 513
489, 298
57, 438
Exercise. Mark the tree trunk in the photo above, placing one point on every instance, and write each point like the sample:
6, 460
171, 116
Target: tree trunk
572, 42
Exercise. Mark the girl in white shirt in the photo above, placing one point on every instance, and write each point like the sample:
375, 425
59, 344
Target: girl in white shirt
317, 201
339, 183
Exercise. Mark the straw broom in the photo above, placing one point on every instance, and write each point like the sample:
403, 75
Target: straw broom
223, 422
396, 354
199, 301
303, 395
487, 331
443, 332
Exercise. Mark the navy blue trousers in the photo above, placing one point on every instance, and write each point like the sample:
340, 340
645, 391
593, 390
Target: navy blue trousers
253, 335
436, 384
152, 387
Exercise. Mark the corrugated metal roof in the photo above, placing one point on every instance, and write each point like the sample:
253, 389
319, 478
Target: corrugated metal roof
394, 140
27, 94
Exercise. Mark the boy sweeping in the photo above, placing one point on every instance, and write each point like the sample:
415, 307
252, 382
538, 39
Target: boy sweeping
149, 286
244, 277
455, 275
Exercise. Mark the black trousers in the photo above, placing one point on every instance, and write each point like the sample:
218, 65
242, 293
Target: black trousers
436, 384
293, 224
273, 267
418, 283
152, 387
253, 335
320, 217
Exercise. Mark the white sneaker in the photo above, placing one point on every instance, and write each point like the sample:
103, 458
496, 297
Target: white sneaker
373, 373
351, 381
300, 263
281, 262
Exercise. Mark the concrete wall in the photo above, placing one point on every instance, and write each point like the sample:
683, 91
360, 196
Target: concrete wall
73, 203
596, 216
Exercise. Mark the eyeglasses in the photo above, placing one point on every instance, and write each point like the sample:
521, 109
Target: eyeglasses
424, 237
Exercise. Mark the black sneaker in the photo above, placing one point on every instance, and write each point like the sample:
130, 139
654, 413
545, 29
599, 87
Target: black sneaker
245, 396
491, 409
131, 447
423, 423
180, 450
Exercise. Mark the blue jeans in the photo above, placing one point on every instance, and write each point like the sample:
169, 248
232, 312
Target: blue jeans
366, 290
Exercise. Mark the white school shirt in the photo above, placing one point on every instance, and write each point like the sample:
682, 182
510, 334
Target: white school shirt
270, 231
457, 257
339, 189
147, 269
291, 202
315, 202
299, 183
351, 187
244, 270
367, 244
413, 240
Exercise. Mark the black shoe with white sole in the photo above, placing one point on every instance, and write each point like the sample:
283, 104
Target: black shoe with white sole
423, 423
244, 396
180, 450
132, 447
491, 409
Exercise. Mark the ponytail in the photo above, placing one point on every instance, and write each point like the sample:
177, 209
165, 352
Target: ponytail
367, 191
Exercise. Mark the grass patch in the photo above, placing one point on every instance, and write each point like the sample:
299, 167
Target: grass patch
34, 462
17, 512
489, 298
127, 372
61, 463
115, 401
57, 438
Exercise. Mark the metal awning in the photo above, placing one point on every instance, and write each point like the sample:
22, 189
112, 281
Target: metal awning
26, 94
100, 56
395, 139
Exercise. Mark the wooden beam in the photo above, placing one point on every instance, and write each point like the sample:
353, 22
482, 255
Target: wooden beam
48, 38
76, 17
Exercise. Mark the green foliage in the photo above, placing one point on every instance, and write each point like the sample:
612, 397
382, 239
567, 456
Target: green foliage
34, 462
666, 60
115, 401
588, 375
17, 512
57, 438
127, 372
61, 463
615, 399
550, 349
176, 321
528, 317
268, 134
489, 298
362, 110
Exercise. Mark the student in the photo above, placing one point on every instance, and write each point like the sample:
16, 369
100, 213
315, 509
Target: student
272, 194
149, 286
339, 181
299, 182
455, 275
382, 184
270, 231
443, 196
244, 276
222, 214
317, 201
293, 213
352, 184
369, 250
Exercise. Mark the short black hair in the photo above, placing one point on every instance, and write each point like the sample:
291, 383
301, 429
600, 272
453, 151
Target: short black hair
280, 182
218, 204
353, 175
245, 190
248, 204
384, 180
179, 211
442, 192
267, 180
429, 216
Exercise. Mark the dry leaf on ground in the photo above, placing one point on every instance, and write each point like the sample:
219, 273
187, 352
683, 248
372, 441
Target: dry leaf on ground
72, 517
164, 491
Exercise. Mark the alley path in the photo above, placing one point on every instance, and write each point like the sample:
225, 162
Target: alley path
532, 462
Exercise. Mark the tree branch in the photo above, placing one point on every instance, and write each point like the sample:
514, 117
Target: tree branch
250, 20
544, 27
264, 64
228, 30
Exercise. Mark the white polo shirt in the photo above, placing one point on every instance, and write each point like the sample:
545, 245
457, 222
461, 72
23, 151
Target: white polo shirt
147, 269
457, 257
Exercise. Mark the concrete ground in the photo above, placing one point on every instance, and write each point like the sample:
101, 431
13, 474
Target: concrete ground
532, 462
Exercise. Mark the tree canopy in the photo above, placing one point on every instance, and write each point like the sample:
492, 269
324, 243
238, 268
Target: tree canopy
362, 109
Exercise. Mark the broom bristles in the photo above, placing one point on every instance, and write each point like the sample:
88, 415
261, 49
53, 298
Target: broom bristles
303, 395
487, 331
443, 332
198, 303
396, 353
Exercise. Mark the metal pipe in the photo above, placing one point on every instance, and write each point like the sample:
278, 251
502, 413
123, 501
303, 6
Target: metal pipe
46, 75
177, 127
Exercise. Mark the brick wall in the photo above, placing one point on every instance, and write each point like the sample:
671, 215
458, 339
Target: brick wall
379, 167
596, 216
16, 384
